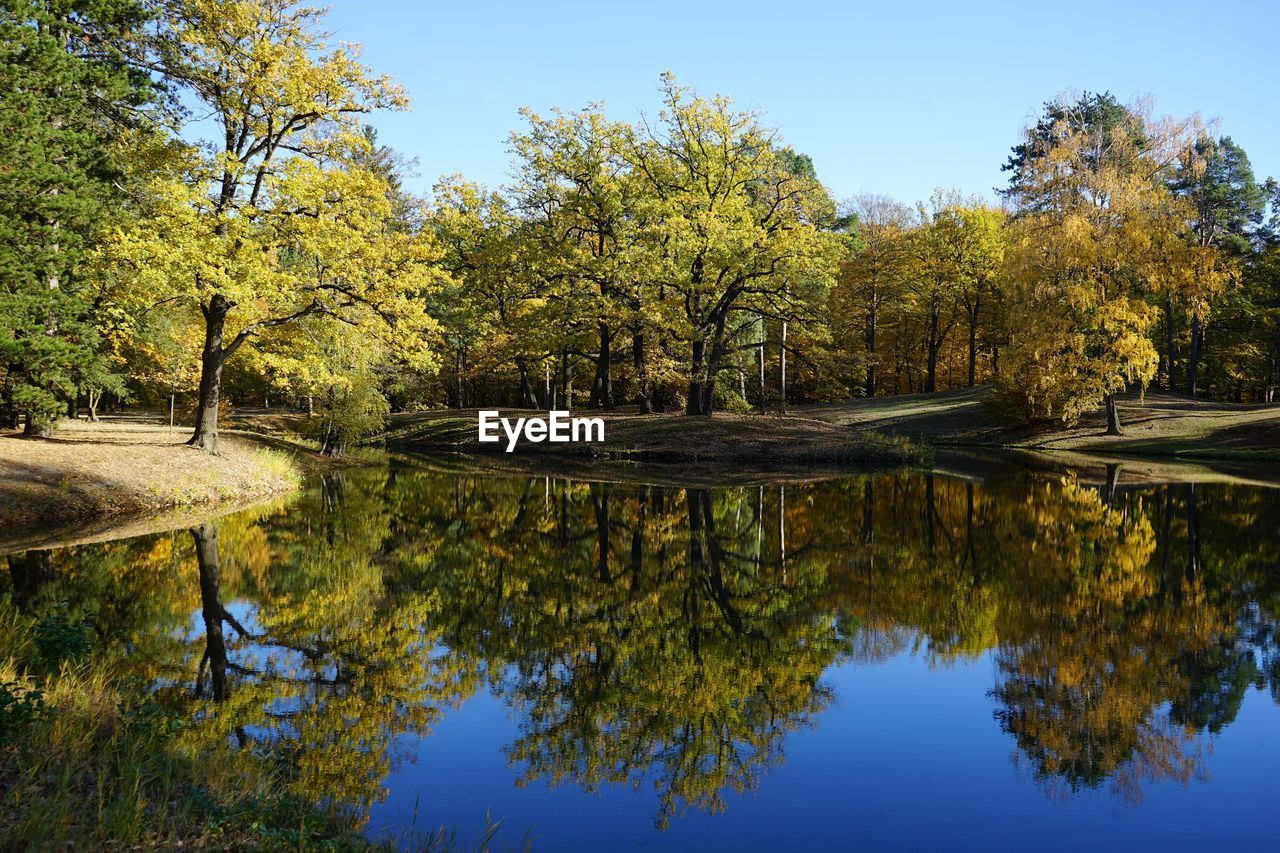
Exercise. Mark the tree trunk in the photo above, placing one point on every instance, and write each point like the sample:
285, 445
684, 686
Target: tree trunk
211, 361
457, 379
1113, 416
566, 382
782, 367
1193, 358
1113, 482
697, 379
36, 426
95, 397
642, 372
602, 387
973, 343
73, 407
872, 323
527, 398
206, 540
761, 382
1169, 382
932, 344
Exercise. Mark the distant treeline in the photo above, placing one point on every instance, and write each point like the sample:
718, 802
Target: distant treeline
688, 261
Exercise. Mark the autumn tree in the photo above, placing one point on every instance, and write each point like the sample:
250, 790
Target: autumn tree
281, 218
871, 279
580, 200
739, 235
1092, 214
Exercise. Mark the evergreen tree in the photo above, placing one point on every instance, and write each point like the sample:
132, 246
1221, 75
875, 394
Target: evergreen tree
68, 85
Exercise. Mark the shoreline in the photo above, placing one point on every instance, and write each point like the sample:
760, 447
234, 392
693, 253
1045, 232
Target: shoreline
130, 472
127, 469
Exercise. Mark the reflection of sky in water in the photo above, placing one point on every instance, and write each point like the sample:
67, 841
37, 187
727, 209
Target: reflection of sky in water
1041, 603
908, 756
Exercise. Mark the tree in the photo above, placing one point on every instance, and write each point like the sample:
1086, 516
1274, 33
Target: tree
933, 282
980, 261
1092, 219
490, 307
284, 217
872, 279
70, 88
579, 199
737, 233
1217, 178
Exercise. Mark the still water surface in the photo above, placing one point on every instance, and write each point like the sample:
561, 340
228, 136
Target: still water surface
876, 662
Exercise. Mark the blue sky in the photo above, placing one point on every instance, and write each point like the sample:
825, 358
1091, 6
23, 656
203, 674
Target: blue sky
886, 97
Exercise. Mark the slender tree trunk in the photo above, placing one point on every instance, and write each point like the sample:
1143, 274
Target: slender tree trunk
873, 320
763, 395
73, 406
171, 402
782, 366
527, 398
973, 343
95, 397
457, 378
932, 344
211, 361
1193, 357
1113, 416
642, 371
1169, 382
566, 382
602, 388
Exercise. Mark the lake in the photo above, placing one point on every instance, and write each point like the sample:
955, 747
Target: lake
877, 661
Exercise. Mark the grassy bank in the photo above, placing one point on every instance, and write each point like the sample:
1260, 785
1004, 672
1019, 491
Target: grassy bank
89, 762
727, 442
1168, 426
125, 466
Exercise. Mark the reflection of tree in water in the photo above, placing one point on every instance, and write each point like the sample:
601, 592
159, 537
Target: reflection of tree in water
669, 637
306, 659
646, 635
1115, 643
331, 667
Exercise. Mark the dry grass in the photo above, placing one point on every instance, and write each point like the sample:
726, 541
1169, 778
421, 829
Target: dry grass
90, 762
128, 465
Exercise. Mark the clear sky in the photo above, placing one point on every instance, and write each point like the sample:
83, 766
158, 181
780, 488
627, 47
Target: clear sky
895, 98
